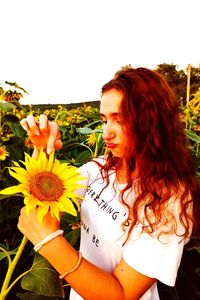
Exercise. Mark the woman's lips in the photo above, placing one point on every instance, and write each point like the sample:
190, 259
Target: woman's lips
111, 145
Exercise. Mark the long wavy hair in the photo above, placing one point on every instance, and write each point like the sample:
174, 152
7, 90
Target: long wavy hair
167, 187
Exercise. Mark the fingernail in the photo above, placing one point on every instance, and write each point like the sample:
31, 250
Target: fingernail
49, 150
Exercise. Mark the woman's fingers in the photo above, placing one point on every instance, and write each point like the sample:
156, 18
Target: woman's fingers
28, 224
58, 144
54, 135
33, 126
43, 124
43, 133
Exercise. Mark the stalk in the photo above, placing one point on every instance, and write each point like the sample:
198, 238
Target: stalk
98, 139
5, 287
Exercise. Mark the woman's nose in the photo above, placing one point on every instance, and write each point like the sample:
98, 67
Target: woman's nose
108, 132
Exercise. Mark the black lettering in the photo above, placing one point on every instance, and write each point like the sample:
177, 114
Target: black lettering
95, 240
85, 227
110, 210
102, 201
115, 215
104, 205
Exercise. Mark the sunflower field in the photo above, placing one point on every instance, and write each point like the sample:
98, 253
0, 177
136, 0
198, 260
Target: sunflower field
25, 274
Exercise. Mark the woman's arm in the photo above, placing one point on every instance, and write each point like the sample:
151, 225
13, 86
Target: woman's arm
91, 282
88, 280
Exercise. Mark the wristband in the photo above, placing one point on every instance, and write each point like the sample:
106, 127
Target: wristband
47, 239
73, 268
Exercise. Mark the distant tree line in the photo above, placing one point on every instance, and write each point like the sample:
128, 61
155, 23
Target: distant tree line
177, 80
69, 106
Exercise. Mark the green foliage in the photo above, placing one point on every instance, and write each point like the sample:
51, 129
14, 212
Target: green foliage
34, 296
177, 79
42, 279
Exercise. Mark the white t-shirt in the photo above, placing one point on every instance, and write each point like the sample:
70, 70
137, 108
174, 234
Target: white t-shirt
103, 240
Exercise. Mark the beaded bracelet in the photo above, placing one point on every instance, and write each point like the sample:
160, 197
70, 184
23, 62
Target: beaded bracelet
47, 239
74, 268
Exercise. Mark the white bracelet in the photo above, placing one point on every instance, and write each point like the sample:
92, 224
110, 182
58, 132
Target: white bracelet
47, 239
77, 265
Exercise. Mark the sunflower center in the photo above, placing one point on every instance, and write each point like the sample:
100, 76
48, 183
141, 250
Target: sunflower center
46, 186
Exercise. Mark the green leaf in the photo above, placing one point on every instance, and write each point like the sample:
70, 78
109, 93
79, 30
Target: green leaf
3, 254
197, 270
10, 118
42, 279
83, 157
193, 136
7, 106
17, 130
93, 123
70, 145
33, 296
16, 86
73, 236
85, 130
69, 219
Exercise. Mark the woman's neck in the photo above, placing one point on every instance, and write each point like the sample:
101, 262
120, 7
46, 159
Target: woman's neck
122, 172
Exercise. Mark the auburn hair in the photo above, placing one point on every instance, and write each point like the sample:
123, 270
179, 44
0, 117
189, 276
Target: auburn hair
158, 148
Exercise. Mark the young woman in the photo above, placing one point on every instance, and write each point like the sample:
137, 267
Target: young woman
141, 200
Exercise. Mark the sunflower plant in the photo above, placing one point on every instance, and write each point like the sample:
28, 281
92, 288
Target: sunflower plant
50, 186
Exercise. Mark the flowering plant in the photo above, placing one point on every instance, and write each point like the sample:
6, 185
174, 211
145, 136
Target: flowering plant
49, 186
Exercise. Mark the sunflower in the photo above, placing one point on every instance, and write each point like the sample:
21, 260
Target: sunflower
3, 152
94, 136
91, 140
47, 185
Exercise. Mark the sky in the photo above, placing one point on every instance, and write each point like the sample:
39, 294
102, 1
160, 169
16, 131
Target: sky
63, 51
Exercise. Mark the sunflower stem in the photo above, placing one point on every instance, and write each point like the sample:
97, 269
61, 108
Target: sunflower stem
5, 287
15, 281
98, 139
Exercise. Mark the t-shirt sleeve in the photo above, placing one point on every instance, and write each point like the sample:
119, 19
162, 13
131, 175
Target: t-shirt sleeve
153, 257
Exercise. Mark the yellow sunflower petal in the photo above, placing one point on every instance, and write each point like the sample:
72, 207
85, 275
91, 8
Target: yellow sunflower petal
50, 162
68, 207
54, 210
58, 168
30, 167
20, 174
32, 163
42, 211
74, 198
12, 190
67, 174
42, 162
30, 203
16, 163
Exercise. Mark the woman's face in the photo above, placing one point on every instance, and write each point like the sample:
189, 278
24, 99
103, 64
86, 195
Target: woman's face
113, 129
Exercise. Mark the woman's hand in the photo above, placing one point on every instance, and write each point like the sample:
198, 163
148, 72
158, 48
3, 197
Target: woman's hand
43, 133
35, 232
